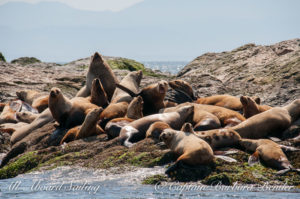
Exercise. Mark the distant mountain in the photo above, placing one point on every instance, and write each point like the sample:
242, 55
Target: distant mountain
151, 30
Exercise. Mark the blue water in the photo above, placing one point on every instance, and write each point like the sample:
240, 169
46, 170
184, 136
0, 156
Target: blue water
70, 183
172, 67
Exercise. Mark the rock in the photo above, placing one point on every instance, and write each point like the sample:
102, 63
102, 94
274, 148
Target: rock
270, 72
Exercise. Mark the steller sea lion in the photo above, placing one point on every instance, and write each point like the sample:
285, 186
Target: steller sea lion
26, 116
226, 101
134, 112
98, 94
210, 117
220, 138
153, 96
181, 92
87, 129
99, 68
269, 123
252, 107
36, 99
131, 81
11, 127
136, 130
68, 113
115, 110
156, 129
190, 149
269, 153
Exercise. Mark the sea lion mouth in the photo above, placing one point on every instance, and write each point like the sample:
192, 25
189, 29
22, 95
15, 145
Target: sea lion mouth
161, 89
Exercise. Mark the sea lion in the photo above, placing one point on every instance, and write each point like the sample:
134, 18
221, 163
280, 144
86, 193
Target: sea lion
184, 87
269, 123
136, 130
131, 81
220, 138
87, 129
226, 101
8, 114
41, 103
115, 110
98, 94
42, 119
269, 152
99, 68
252, 107
36, 99
153, 96
210, 117
68, 113
190, 149
26, 116
11, 127
134, 112
187, 127
156, 129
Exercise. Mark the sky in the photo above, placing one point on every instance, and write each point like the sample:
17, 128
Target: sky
144, 30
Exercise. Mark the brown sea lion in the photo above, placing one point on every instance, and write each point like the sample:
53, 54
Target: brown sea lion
183, 87
11, 127
168, 104
220, 138
8, 114
115, 110
41, 103
226, 101
134, 112
98, 94
156, 129
68, 113
26, 116
131, 81
251, 107
190, 149
187, 127
36, 99
269, 152
215, 118
87, 129
136, 130
269, 123
153, 96
99, 68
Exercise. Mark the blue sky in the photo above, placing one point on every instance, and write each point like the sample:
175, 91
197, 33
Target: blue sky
145, 30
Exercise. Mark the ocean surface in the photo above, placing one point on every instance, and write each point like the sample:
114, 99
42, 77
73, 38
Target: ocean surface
172, 67
74, 182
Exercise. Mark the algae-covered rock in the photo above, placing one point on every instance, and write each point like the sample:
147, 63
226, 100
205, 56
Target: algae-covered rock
26, 60
2, 58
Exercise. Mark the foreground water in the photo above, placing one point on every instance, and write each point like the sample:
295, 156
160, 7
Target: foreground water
70, 183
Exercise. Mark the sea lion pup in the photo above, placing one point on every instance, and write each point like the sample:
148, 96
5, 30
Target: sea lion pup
153, 96
252, 107
269, 153
26, 116
220, 138
156, 129
87, 129
136, 130
190, 149
36, 99
99, 68
68, 113
98, 94
134, 112
11, 127
269, 123
226, 101
131, 81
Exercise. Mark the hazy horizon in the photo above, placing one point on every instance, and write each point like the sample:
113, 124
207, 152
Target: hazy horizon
144, 30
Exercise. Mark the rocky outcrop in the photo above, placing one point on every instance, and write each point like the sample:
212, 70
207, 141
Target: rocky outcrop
2, 58
26, 60
270, 72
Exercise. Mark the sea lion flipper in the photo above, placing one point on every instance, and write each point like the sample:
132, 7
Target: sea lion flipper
253, 159
283, 171
226, 158
131, 93
288, 148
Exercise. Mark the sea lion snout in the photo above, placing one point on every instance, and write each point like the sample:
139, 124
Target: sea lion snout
54, 92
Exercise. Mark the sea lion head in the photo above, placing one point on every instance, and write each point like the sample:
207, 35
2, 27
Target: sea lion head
188, 110
22, 95
97, 57
55, 93
184, 87
187, 127
94, 115
167, 135
162, 87
135, 108
137, 76
250, 106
